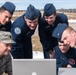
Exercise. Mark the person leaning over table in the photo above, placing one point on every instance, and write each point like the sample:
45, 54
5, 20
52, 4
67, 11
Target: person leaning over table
65, 56
22, 30
66, 35
47, 24
6, 13
65, 53
5, 56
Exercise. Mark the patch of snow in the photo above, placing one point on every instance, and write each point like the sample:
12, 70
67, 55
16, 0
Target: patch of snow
38, 55
72, 21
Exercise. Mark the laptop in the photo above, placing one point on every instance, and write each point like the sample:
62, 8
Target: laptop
67, 71
34, 66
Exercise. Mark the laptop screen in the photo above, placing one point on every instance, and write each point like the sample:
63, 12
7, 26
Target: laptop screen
34, 67
67, 71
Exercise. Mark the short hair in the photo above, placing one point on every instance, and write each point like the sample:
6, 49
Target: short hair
2, 9
69, 29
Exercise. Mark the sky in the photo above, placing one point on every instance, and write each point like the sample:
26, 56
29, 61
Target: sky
39, 4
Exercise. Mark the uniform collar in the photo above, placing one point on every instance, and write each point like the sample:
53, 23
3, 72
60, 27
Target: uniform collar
0, 24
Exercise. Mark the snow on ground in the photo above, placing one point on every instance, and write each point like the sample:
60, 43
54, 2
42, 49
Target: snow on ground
38, 55
72, 21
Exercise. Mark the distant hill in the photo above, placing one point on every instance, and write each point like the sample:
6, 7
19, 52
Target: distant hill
71, 13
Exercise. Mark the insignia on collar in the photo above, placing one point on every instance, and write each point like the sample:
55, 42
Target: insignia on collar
58, 34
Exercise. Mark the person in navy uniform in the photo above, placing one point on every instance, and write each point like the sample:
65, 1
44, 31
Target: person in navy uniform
6, 12
46, 26
67, 35
65, 55
22, 30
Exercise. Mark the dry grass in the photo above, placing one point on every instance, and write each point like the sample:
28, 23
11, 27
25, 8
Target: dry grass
36, 43
69, 15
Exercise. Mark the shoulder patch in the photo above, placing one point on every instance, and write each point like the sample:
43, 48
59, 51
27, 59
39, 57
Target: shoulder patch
72, 61
17, 30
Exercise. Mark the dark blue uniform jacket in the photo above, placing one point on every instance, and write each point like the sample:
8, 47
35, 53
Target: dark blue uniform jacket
6, 27
22, 37
45, 31
67, 58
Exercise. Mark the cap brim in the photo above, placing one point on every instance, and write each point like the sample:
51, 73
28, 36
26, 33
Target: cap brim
8, 41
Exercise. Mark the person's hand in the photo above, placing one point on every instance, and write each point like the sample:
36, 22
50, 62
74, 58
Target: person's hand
51, 55
69, 66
